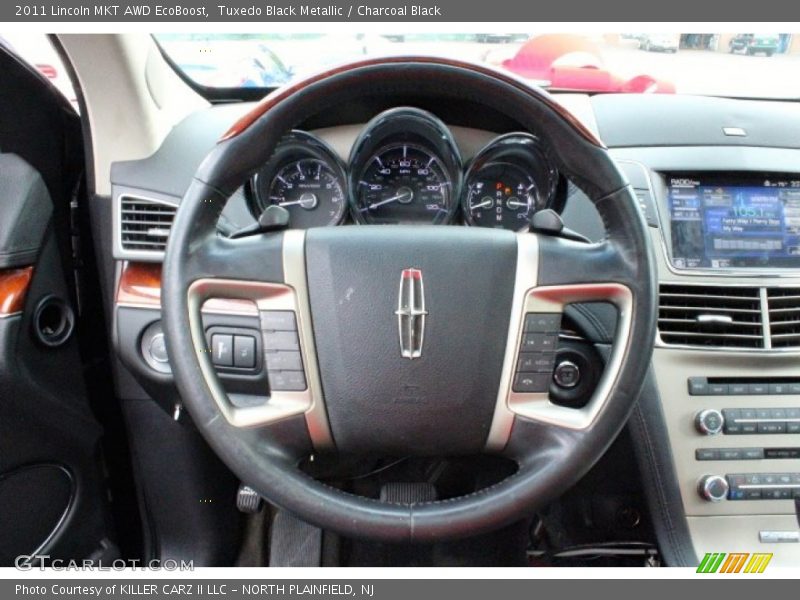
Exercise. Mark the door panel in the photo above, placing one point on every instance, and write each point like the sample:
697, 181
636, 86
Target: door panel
52, 490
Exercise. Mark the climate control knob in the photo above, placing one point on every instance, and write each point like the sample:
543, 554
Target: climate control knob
709, 421
713, 488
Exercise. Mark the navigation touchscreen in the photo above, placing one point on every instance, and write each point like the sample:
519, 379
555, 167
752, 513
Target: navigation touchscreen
723, 221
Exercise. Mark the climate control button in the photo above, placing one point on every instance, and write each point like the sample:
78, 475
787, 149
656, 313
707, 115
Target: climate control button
713, 488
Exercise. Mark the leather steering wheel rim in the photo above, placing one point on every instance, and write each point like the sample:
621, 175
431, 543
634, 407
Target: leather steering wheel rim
550, 455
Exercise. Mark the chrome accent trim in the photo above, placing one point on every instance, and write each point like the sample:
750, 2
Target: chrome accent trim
409, 313
294, 273
525, 279
766, 328
123, 253
268, 296
553, 299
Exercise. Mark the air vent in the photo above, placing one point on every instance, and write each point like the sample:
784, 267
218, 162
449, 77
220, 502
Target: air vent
784, 316
145, 224
710, 316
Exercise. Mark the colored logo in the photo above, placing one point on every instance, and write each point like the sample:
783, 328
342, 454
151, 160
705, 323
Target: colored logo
734, 562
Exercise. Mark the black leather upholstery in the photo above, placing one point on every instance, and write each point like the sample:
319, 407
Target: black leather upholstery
25, 210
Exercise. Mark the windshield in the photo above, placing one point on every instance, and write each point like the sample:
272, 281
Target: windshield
757, 65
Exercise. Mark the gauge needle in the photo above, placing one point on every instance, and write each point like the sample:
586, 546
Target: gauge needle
405, 194
484, 204
516, 204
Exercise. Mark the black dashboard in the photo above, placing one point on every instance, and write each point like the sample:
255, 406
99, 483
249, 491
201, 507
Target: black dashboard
717, 182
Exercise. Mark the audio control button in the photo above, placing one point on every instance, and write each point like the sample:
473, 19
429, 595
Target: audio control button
709, 421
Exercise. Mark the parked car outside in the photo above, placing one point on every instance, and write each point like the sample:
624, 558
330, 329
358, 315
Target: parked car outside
661, 42
755, 43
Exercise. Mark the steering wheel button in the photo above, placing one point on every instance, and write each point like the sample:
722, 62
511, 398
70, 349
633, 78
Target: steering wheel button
536, 362
278, 320
289, 361
281, 340
542, 322
287, 381
529, 383
538, 342
244, 352
222, 350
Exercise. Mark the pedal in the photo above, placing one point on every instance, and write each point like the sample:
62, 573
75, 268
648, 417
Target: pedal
403, 492
247, 500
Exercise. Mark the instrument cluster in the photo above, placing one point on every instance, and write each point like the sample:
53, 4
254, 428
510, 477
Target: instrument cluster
405, 168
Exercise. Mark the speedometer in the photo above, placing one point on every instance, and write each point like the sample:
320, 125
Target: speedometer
404, 183
405, 169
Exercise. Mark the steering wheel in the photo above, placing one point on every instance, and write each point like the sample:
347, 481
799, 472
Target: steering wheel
410, 337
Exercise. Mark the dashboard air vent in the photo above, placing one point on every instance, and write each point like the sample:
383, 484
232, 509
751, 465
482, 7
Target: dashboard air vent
145, 224
710, 316
784, 316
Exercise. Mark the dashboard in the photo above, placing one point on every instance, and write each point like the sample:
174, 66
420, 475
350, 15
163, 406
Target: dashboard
406, 167
724, 219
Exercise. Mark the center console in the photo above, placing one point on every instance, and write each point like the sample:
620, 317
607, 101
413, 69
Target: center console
727, 355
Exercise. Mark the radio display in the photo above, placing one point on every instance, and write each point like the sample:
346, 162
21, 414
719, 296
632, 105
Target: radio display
730, 221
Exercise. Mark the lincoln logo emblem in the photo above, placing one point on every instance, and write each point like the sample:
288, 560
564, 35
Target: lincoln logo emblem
411, 313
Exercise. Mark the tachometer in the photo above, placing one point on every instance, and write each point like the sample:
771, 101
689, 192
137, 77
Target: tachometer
306, 178
404, 183
405, 169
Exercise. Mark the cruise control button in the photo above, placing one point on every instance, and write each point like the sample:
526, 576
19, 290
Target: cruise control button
278, 320
528, 383
281, 340
542, 342
284, 361
222, 350
244, 352
543, 322
287, 381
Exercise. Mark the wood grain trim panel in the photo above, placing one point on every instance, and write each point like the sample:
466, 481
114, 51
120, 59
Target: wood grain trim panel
140, 285
282, 94
14, 284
